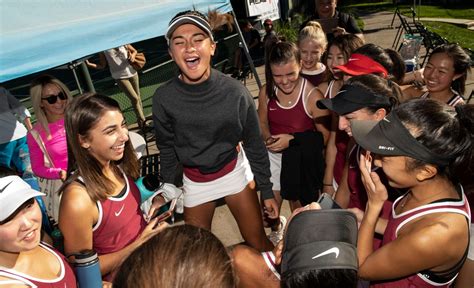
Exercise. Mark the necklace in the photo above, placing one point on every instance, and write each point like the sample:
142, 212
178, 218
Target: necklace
405, 200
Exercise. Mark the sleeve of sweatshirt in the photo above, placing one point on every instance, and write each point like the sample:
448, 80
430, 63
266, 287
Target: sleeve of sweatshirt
37, 160
16, 106
164, 140
254, 146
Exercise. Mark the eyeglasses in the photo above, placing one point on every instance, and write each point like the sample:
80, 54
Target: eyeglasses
54, 98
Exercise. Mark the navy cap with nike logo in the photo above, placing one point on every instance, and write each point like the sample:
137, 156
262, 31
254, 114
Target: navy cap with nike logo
320, 239
351, 98
13, 193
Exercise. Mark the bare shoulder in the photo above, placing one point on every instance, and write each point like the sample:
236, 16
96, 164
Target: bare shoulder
312, 92
323, 87
411, 92
438, 230
75, 200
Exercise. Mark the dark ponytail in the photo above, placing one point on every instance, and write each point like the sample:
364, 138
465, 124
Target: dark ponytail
388, 58
444, 130
378, 86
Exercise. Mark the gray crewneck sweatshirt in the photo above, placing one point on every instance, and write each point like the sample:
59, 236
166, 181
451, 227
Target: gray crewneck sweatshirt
200, 126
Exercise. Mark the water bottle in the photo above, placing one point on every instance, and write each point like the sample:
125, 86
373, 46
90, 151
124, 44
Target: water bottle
147, 185
58, 239
87, 269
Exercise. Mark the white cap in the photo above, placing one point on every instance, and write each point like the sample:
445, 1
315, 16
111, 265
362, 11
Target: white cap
13, 193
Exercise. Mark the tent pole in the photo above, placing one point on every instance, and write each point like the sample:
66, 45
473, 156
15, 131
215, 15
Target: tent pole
87, 77
246, 50
72, 67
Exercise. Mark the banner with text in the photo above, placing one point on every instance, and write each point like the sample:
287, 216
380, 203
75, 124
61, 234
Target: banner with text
263, 8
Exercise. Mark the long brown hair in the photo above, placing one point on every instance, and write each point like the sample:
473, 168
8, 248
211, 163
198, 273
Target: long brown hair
82, 115
180, 257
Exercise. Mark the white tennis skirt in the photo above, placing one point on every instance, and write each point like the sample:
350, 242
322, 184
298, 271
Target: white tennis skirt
275, 169
197, 193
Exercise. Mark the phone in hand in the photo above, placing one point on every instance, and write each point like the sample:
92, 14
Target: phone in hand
270, 140
166, 210
368, 161
326, 202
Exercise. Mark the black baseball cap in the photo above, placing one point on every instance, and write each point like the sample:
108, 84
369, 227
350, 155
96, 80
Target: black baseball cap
390, 137
351, 98
320, 239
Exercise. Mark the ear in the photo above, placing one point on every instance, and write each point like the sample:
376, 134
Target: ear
380, 114
84, 142
426, 172
213, 47
171, 53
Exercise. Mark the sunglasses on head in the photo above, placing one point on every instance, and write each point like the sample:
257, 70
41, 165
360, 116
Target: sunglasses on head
54, 98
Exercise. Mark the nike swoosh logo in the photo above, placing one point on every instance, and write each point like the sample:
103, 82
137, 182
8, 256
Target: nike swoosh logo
1, 190
120, 211
353, 59
272, 109
334, 250
341, 91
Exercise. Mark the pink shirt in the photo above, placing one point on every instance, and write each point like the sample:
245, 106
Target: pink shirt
56, 147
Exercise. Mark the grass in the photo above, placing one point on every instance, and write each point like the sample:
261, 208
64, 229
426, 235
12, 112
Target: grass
451, 32
466, 12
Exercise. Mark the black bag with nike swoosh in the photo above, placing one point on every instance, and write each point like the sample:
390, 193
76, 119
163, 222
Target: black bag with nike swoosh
317, 240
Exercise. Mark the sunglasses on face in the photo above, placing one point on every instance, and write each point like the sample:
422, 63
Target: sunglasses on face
54, 98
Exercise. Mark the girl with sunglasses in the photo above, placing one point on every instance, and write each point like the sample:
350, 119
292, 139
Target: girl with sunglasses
50, 97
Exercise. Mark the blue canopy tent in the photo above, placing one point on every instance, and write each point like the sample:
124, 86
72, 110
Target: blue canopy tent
42, 34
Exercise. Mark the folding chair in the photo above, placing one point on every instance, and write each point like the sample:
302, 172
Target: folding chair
150, 164
431, 40
405, 28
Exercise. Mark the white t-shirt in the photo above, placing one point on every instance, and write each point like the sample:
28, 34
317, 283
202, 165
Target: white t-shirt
117, 59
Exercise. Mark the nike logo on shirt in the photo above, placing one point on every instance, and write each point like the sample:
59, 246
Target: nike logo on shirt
334, 250
120, 211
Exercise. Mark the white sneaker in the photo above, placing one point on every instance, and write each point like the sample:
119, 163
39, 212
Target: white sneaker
277, 236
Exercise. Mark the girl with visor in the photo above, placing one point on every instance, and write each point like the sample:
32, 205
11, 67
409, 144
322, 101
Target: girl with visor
205, 121
423, 146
